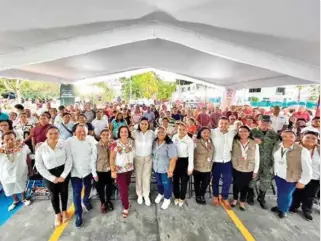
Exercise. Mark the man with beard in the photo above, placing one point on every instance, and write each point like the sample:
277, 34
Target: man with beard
266, 138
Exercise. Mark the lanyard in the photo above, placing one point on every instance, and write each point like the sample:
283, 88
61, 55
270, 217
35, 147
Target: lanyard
312, 152
283, 151
245, 146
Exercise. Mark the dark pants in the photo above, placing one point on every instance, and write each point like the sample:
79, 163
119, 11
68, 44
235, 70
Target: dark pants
58, 190
77, 185
164, 185
104, 186
180, 178
123, 181
241, 181
201, 182
284, 193
224, 170
305, 196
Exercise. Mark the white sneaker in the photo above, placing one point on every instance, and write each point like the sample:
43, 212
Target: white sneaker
159, 198
140, 200
26, 202
93, 193
13, 206
147, 201
176, 201
181, 203
166, 203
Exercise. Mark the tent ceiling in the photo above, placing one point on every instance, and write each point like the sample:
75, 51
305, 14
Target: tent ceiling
230, 43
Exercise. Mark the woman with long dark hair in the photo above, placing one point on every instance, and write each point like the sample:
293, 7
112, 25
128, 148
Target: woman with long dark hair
116, 123
246, 163
203, 156
54, 165
164, 161
143, 160
121, 161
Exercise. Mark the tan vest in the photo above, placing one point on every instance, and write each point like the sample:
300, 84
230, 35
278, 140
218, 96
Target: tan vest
239, 164
102, 163
293, 162
202, 155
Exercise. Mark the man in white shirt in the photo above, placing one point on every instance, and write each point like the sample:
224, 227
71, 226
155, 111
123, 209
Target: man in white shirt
83, 153
315, 126
65, 127
59, 118
99, 123
292, 169
222, 139
279, 121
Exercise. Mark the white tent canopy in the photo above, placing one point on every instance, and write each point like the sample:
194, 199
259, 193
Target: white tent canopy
231, 43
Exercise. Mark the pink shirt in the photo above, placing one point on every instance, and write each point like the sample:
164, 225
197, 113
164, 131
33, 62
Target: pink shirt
302, 115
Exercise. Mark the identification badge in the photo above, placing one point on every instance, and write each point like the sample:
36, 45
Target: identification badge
244, 157
209, 159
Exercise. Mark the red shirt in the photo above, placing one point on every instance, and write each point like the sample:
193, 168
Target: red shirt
302, 115
39, 133
214, 119
203, 119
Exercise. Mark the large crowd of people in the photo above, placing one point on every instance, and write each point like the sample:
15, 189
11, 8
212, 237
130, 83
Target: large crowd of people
97, 147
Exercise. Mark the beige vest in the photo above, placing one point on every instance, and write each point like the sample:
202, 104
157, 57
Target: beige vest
103, 163
293, 162
239, 164
202, 155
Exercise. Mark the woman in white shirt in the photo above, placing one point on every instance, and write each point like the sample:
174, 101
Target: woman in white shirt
306, 195
54, 165
246, 163
143, 160
184, 165
292, 169
121, 164
13, 168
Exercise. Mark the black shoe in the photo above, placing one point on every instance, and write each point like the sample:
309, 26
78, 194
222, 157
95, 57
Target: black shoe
307, 216
282, 215
250, 197
293, 210
78, 222
87, 206
109, 205
203, 200
275, 210
198, 200
261, 200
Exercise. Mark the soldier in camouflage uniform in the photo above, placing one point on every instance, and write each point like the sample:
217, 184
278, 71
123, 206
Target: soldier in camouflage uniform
266, 138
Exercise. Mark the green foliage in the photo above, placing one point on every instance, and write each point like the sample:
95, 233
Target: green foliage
147, 85
29, 89
106, 95
314, 91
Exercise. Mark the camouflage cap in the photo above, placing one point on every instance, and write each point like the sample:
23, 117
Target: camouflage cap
265, 118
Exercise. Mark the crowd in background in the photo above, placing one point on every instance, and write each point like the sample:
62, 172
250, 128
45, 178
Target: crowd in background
87, 146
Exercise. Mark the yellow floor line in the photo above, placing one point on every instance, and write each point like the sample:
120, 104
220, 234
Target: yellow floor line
59, 230
239, 224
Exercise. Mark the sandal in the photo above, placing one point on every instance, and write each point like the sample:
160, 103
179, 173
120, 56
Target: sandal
65, 218
125, 214
57, 222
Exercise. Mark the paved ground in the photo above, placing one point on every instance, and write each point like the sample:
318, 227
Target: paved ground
189, 223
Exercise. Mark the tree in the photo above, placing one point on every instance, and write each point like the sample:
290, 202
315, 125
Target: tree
147, 85
314, 91
300, 88
106, 93
13, 85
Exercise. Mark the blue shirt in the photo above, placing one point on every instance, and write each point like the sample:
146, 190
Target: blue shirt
162, 155
4, 116
64, 133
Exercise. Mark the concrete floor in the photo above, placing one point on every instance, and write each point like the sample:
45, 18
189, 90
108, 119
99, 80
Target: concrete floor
189, 223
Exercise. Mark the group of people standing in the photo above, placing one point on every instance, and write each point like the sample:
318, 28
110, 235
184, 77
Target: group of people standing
96, 153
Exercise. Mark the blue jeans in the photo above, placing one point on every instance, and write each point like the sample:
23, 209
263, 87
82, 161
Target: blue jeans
224, 170
284, 193
164, 185
77, 185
